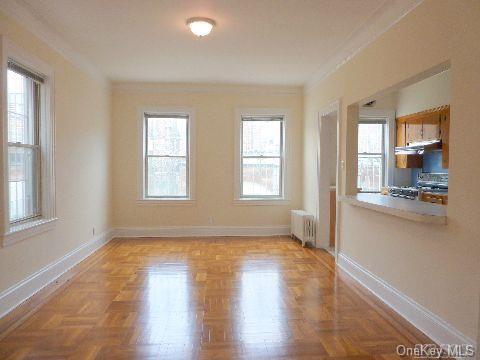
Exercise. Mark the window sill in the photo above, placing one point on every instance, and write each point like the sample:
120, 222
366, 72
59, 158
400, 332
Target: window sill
165, 202
24, 231
264, 202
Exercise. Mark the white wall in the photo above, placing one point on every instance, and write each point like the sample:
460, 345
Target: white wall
436, 266
82, 163
427, 94
214, 107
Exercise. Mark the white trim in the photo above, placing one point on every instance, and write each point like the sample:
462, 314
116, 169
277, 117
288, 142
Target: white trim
330, 108
285, 198
202, 231
162, 87
191, 155
389, 116
164, 202
27, 230
47, 140
18, 293
22, 13
381, 20
333, 107
261, 202
423, 319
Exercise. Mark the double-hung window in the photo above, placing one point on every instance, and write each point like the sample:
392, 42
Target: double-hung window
262, 157
371, 154
28, 146
24, 152
167, 156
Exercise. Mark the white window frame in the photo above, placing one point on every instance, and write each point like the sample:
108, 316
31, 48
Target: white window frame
372, 115
284, 198
17, 232
190, 199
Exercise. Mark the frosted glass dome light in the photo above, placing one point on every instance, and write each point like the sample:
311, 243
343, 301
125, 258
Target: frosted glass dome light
200, 26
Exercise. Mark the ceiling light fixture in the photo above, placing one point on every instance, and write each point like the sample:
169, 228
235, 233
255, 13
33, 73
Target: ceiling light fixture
200, 26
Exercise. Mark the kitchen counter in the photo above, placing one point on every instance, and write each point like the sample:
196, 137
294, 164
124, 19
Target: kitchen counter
408, 209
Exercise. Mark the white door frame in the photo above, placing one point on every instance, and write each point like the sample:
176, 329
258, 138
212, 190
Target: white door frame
333, 107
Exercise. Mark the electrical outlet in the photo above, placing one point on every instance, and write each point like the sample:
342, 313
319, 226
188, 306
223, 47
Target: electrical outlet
210, 220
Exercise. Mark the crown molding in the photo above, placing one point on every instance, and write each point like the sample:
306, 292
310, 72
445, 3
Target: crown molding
22, 13
383, 18
160, 87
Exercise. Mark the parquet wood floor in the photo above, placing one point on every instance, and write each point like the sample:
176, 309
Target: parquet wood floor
214, 298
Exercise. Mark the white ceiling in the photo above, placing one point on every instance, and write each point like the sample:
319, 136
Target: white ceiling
255, 41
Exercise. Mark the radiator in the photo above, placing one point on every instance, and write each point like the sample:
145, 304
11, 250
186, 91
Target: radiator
302, 226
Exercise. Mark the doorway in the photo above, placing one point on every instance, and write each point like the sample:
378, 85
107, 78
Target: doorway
328, 175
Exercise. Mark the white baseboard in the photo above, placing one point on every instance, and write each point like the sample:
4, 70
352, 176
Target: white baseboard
202, 231
430, 324
18, 293
433, 326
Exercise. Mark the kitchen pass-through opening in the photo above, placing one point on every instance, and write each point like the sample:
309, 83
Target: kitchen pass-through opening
403, 139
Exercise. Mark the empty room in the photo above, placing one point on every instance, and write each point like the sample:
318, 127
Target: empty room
239, 179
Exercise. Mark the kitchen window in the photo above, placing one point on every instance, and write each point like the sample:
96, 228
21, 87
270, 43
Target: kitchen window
261, 164
371, 155
167, 160
29, 173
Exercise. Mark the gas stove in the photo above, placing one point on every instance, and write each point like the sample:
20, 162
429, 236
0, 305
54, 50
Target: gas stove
405, 192
436, 183
433, 182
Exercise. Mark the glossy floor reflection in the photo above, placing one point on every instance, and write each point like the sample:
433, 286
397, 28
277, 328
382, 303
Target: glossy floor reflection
218, 298
262, 314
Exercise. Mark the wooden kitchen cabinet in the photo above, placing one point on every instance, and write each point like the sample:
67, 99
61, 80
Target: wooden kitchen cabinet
431, 127
423, 126
434, 198
406, 161
414, 130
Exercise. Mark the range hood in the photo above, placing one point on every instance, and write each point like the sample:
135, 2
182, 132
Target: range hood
418, 147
